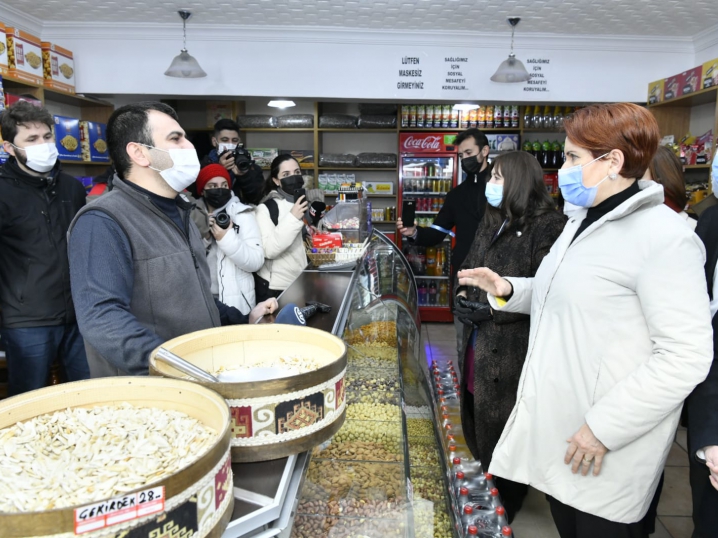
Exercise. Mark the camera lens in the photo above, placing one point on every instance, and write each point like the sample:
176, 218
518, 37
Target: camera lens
222, 219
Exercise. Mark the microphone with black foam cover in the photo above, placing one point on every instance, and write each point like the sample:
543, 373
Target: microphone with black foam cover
315, 212
291, 314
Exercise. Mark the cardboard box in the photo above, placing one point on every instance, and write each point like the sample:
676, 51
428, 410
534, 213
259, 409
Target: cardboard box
327, 240
67, 138
3, 50
11, 98
263, 156
93, 139
504, 142
58, 68
551, 182
655, 91
24, 53
305, 157
674, 87
379, 187
692, 80
710, 73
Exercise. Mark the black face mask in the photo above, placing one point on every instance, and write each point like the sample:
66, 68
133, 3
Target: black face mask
291, 184
471, 165
217, 198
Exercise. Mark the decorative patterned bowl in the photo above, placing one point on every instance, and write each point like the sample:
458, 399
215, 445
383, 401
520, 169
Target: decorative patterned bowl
276, 417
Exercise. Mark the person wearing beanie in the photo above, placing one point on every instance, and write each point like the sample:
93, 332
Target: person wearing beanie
231, 238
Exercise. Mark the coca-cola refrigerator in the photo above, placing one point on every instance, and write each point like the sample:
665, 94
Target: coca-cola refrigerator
428, 170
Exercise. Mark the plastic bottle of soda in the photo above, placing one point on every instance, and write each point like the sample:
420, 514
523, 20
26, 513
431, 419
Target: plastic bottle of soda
422, 292
432, 293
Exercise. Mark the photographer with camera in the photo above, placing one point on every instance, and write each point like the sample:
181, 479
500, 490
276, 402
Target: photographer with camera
246, 177
230, 235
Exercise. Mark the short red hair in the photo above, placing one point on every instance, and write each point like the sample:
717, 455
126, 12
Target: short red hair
623, 126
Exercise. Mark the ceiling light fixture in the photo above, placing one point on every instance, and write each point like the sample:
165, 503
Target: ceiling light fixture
465, 107
184, 65
511, 70
281, 103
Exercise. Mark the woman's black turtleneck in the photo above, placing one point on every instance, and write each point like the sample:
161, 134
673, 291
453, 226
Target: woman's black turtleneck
609, 204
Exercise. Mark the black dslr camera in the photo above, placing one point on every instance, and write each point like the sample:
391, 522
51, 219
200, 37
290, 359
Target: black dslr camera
223, 220
242, 158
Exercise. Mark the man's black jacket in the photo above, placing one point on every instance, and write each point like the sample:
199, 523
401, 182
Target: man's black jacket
35, 214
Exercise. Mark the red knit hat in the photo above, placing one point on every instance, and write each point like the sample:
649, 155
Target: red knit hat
209, 172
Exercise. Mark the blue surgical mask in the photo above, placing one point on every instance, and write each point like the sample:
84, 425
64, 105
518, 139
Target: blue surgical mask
570, 181
494, 194
715, 175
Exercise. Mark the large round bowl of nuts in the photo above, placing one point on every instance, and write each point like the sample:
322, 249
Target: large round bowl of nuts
287, 390
119, 456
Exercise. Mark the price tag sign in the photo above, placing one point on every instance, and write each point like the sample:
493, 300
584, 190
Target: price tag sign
119, 510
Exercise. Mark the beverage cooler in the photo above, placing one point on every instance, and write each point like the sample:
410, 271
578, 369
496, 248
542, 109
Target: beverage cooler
428, 170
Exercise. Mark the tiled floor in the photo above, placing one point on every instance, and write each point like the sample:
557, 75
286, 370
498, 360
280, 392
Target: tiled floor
534, 520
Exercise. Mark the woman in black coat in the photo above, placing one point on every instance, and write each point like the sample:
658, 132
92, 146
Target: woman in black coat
520, 226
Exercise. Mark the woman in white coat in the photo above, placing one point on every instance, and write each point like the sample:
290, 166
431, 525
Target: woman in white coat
620, 334
281, 221
234, 251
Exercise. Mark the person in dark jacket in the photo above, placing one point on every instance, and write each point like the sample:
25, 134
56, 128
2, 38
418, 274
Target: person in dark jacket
519, 227
463, 208
101, 184
137, 261
247, 185
37, 203
702, 404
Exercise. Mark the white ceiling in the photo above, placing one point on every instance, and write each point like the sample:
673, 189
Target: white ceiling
674, 18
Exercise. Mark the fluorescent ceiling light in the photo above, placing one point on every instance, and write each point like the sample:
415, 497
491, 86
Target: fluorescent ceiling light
279, 103
465, 107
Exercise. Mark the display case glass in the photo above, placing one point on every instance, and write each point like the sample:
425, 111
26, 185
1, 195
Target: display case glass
383, 473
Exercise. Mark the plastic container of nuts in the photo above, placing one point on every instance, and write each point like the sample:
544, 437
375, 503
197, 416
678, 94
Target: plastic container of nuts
364, 440
307, 526
114, 456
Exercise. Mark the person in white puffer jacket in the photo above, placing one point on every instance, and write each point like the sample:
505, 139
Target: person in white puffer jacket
234, 252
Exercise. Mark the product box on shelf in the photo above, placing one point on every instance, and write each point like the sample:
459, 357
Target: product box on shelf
263, 156
67, 138
379, 187
93, 140
327, 240
503, 142
305, 157
11, 98
692, 80
674, 86
3, 50
655, 91
551, 182
24, 53
218, 110
58, 68
710, 73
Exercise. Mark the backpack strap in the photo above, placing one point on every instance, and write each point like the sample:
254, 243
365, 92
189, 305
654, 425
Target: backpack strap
273, 210
98, 189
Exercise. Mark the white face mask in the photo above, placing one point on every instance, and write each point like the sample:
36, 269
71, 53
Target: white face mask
184, 169
222, 147
41, 158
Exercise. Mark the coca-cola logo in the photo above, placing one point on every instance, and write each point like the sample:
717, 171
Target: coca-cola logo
426, 142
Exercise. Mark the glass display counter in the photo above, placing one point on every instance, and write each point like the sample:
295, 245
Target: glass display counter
384, 473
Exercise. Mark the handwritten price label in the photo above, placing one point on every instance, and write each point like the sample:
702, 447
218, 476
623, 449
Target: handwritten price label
120, 509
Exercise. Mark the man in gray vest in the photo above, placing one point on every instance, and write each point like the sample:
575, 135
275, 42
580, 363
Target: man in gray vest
138, 270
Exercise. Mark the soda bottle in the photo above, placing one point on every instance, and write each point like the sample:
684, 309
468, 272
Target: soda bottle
490, 522
445, 116
432, 293
481, 117
514, 116
536, 146
498, 116
420, 116
546, 154
556, 161
422, 292
412, 116
454, 121
421, 260
527, 147
507, 116
431, 262
506, 531
472, 530
557, 118
467, 518
548, 117
536, 121
472, 118
405, 116
528, 119
490, 117
463, 119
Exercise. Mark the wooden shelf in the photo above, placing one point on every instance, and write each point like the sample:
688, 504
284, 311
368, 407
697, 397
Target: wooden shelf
357, 130
547, 131
458, 129
697, 166
383, 222
701, 97
374, 196
325, 169
273, 130
13, 85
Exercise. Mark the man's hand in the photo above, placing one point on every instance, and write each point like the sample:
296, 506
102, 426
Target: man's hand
406, 232
227, 160
262, 309
217, 231
712, 464
585, 449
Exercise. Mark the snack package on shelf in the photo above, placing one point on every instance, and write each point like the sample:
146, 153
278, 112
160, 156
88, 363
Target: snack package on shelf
93, 140
12, 99
3, 52
218, 110
58, 67
24, 53
674, 87
305, 157
379, 187
710, 73
692, 80
67, 138
263, 157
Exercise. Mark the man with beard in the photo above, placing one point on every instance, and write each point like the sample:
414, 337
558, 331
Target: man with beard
37, 204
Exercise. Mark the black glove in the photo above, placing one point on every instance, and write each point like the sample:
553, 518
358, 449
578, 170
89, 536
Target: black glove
471, 313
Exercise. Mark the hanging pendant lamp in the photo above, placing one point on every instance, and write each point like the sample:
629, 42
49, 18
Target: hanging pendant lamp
511, 70
184, 65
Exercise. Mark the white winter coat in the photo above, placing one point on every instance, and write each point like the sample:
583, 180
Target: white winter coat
284, 252
238, 254
620, 336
